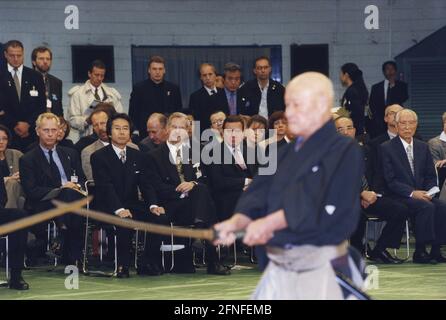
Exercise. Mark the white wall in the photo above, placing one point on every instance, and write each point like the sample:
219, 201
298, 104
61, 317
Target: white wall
340, 23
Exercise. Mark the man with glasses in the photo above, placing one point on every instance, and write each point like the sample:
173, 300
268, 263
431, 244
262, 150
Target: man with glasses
409, 172
262, 95
374, 203
217, 120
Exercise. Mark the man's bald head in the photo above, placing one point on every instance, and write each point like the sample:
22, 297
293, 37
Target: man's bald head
309, 98
156, 128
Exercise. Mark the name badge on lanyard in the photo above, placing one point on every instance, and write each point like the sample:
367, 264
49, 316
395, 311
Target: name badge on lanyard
74, 177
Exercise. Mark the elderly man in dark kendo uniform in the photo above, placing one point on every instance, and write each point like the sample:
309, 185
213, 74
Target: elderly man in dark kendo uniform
309, 207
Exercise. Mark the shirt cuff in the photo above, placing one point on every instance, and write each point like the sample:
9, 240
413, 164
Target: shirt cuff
246, 181
119, 211
411, 194
153, 206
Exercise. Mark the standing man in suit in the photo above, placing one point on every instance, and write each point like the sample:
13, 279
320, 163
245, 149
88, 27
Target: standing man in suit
180, 186
385, 93
307, 210
119, 172
17, 241
231, 172
83, 99
153, 95
48, 172
208, 99
409, 172
232, 81
24, 96
437, 146
41, 58
262, 95
156, 132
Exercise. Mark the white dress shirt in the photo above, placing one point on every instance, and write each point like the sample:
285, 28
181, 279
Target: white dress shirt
209, 90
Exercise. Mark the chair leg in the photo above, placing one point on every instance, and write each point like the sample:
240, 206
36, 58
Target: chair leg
115, 238
136, 250
7, 256
172, 252
366, 238
407, 239
84, 263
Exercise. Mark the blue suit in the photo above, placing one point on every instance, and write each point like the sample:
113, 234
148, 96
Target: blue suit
429, 217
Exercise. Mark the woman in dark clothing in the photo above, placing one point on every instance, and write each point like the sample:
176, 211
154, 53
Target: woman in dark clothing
356, 96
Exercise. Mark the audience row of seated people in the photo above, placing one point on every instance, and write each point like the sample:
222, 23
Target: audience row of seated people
399, 172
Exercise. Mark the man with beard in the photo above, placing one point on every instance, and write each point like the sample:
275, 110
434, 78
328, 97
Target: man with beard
42, 57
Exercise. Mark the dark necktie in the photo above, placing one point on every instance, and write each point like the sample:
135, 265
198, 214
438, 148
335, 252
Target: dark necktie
389, 89
365, 184
55, 173
47, 85
213, 92
17, 82
96, 94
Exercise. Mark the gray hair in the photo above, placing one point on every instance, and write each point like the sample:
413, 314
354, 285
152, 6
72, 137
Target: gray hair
405, 111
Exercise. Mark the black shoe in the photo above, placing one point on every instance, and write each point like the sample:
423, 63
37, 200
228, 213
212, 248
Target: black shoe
218, 269
150, 269
18, 284
438, 257
384, 257
123, 272
423, 257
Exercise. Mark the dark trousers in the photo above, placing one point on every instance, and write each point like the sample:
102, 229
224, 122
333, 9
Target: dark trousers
429, 220
386, 209
151, 250
197, 209
73, 234
17, 240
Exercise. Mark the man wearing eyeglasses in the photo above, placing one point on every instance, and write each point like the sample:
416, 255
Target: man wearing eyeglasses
262, 95
375, 203
410, 175
217, 120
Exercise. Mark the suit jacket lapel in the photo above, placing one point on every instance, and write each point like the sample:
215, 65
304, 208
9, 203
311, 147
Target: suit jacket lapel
171, 169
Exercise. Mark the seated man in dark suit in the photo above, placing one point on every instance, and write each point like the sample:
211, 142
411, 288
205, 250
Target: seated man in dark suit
118, 172
262, 95
410, 173
48, 172
179, 184
231, 171
385, 93
376, 204
208, 99
17, 241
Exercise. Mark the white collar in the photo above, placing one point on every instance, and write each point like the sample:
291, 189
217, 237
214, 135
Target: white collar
443, 136
118, 150
210, 89
391, 135
104, 142
92, 87
19, 69
231, 148
260, 87
405, 144
386, 83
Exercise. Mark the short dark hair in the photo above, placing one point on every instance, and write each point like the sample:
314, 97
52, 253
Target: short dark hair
157, 59
40, 50
389, 63
116, 116
259, 119
231, 67
276, 115
261, 58
7, 132
97, 64
234, 119
12, 44
108, 108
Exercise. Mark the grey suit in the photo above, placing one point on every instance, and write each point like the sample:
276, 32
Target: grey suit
14, 190
89, 150
437, 148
